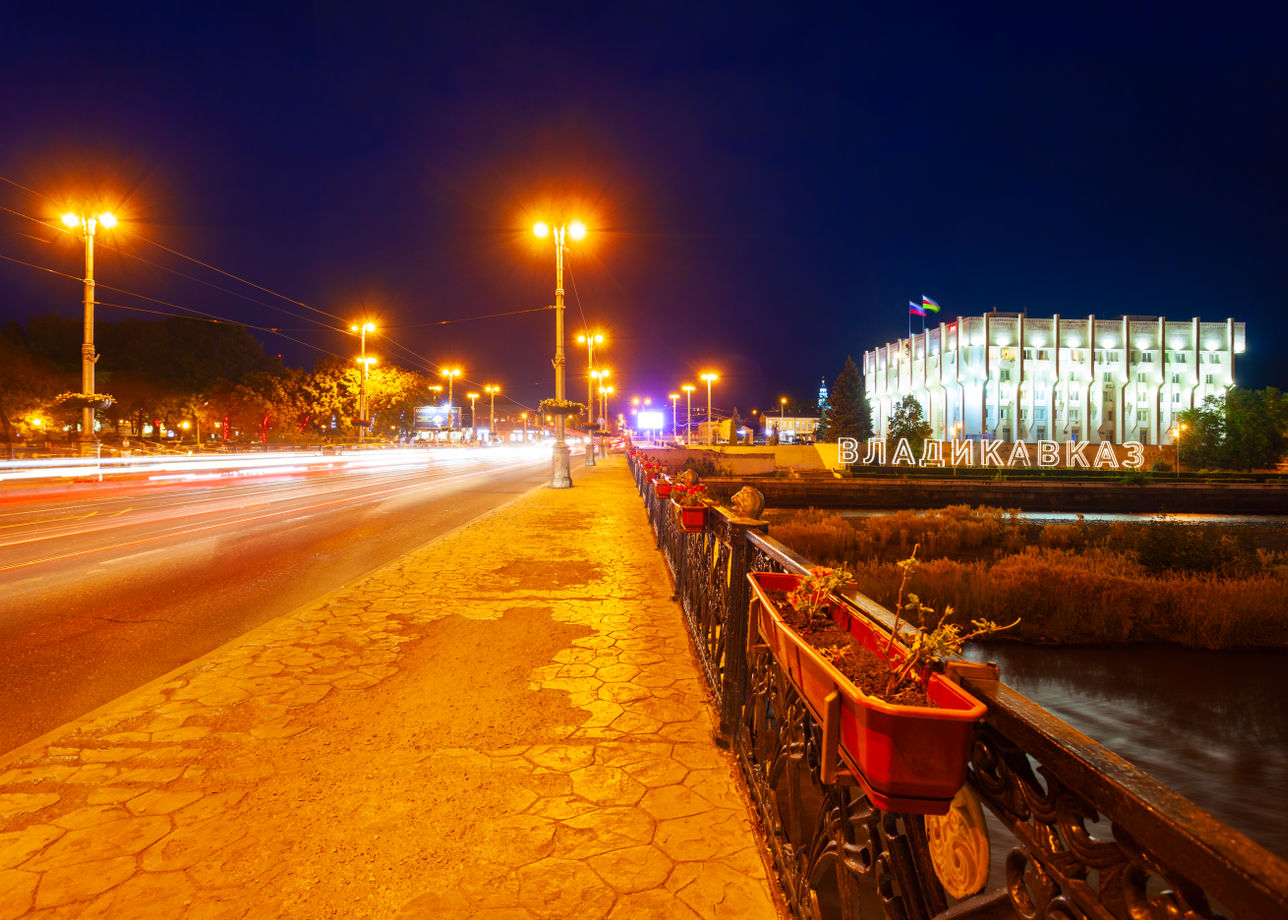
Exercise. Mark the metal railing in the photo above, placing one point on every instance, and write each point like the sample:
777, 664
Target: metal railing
1084, 833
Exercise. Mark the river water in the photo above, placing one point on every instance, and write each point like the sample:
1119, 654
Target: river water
1212, 726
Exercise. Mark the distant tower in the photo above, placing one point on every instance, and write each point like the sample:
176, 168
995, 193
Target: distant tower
822, 394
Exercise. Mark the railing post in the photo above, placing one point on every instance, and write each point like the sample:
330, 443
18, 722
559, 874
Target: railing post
733, 677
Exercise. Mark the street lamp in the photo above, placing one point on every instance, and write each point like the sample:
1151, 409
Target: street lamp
451, 373
362, 329
561, 464
590, 341
688, 413
709, 378
673, 397
491, 392
87, 225
604, 393
782, 416
1176, 437
524, 416
474, 428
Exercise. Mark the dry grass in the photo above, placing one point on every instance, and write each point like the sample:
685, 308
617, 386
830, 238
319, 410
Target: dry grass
1071, 583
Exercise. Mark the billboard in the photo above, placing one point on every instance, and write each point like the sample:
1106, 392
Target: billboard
649, 420
430, 418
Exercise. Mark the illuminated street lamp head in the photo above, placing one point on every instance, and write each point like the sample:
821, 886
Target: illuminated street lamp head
107, 220
596, 339
688, 388
363, 327
577, 230
674, 396
71, 219
451, 372
540, 229
471, 396
782, 400
710, 377
366, 360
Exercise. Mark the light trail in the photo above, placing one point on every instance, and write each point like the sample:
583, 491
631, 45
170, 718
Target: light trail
474, 470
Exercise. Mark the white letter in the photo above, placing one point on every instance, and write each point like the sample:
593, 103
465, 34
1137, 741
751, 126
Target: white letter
932, 453
904, 450
1105, 456
848, 450
876, 452
964, 450
1073, 453
1135, 455
988, 450
1048, 453
1019, 452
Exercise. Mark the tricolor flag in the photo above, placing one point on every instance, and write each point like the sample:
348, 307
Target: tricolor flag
928, 304
916, 309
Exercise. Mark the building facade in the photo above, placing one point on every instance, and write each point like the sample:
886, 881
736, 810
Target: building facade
1011, 377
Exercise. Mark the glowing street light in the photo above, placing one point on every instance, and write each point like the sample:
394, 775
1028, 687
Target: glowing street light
87, 225
362, 329
474, 429
673, 397
451, 373
561, 465
1176, 436
491, 392
524, 416
590, 341
709, 378
688, 413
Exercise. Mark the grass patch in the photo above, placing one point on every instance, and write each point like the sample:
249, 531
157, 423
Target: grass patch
1201, 586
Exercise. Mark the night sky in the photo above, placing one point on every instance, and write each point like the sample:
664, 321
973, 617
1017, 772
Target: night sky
766, 185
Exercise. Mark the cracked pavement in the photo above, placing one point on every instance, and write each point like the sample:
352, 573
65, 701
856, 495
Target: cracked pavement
506, 723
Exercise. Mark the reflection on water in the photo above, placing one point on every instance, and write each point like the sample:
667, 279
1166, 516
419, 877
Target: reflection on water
1213, 726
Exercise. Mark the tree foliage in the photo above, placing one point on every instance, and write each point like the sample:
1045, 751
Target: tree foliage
848, 414
1242, 430
908, 420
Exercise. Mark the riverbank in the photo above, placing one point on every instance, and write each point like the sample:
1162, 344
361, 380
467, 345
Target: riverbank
1069, 583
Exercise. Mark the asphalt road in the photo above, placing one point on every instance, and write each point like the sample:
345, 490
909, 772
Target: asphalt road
105, 586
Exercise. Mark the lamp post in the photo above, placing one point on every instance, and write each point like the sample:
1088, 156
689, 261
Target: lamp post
451, 373
88, 224
524, 416
673, 397
491, 392
561, 462
590, 341
474, 428
1176, 437
709, 378
604, 393
362, 329
688, 413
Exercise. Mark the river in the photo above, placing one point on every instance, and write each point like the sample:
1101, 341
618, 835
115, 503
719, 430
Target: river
1213, 726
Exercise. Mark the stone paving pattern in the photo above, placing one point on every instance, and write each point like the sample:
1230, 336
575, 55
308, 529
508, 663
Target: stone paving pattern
506, 723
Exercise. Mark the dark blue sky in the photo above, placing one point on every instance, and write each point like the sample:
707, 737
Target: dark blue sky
766, 185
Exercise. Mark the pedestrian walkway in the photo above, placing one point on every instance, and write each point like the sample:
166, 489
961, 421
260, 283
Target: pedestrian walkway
506, 724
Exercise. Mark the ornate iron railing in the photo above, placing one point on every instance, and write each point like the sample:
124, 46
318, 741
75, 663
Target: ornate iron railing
1085, 835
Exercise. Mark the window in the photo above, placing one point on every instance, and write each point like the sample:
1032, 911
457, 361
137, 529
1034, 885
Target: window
1005, 375
1108, 378
1142, 377
1039, 413
1028, 354
1008, 354
1142, 416
1180, 358
1176, 397
1075, 434
1176, 378
1004, 412
1209, 379
1146, 357
1109, 413
1042, 432
1044, 355
1076, 356
1075, 415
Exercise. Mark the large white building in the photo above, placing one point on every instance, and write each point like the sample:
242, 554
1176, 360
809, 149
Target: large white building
1011, 377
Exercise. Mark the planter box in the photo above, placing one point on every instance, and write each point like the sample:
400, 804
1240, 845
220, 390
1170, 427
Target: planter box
662, 489
693, 518
908, 759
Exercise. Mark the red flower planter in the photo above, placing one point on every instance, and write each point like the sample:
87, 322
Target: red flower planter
692, 517
663, 489
908, 759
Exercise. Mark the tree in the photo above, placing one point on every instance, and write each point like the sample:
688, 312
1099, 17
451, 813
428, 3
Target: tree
908, 420
27, 385
1242, 430
848, 415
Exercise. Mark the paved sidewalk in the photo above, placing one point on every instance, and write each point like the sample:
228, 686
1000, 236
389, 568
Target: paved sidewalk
505, 724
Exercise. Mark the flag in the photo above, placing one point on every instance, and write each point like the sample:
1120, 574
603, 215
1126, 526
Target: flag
915, 308
928, 304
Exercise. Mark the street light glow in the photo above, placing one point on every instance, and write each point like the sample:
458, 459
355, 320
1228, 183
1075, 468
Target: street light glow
107, 220
71, 219
577, 230
540, 229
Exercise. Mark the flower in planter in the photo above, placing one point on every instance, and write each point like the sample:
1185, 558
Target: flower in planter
560, 407
84, 400
690, 495
811, 593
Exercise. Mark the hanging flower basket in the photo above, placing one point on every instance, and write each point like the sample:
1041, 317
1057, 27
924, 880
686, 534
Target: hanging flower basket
908, 759
693, 518
559, 407
84, 400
